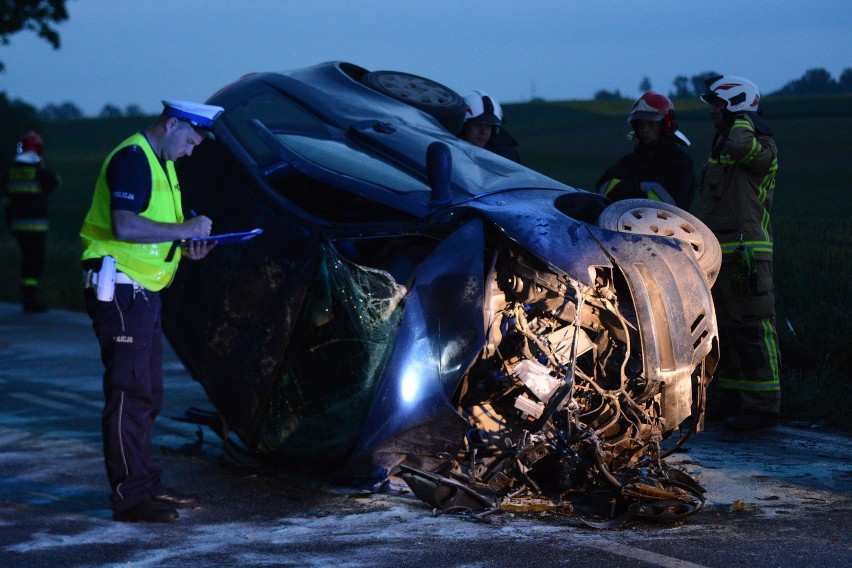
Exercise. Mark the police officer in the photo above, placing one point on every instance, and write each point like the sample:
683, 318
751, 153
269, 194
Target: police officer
483, 126
658, 168
134, 218
737, 186
27, 186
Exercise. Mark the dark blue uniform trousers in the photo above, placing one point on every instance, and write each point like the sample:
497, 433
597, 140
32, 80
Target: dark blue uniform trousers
130, 336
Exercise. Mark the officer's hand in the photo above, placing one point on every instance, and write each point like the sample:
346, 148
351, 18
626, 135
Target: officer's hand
198, 226
195, 250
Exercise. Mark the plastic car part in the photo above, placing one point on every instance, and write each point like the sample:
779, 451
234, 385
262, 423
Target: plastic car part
648, 217
444, 494
441, 102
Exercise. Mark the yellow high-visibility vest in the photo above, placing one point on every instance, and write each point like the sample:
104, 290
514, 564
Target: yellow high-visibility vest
143, 262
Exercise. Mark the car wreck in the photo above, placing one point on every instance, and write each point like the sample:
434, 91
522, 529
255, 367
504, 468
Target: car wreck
421, 309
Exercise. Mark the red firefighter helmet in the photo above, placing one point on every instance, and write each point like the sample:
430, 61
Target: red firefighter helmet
654, 107
31, 142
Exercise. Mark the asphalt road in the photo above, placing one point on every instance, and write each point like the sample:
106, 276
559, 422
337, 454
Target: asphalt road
780, 498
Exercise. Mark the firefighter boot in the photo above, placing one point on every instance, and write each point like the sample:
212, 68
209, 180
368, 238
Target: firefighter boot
746, 422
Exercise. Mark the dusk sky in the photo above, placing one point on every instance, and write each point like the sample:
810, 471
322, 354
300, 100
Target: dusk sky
126, 52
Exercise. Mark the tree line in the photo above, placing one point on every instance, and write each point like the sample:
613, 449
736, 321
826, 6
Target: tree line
813, 82
68, 110
17, 116
817, 81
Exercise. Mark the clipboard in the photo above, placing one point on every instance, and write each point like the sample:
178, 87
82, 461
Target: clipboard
226, 238
223, 239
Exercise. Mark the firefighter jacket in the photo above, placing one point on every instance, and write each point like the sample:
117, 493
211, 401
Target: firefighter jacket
27, 186
737, 185
669, 165
504, 144
145, 263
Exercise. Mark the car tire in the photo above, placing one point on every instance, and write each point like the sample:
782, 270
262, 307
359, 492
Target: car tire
440, 102
648, 217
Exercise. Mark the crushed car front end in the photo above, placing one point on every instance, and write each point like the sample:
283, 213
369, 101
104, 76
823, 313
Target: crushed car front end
594, 350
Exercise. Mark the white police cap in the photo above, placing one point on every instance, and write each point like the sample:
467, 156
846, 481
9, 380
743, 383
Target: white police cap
198, 115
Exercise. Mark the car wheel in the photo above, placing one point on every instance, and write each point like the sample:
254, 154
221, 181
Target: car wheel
647, 217
441, 102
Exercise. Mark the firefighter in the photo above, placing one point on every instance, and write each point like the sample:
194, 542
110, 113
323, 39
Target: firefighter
483, 126
127, 237
737, 186
26, 189
658, 168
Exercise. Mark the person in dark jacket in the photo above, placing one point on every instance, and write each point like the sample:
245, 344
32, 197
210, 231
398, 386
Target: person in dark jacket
658, 168
28, 183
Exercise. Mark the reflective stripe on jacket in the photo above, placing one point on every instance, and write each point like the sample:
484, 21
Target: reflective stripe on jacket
23, 178
143, 262
27, 187
737, 186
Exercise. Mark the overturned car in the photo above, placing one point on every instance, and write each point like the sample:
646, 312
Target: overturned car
420, 308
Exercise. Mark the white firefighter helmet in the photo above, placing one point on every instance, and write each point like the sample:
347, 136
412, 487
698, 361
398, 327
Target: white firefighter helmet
482, 108
738, 93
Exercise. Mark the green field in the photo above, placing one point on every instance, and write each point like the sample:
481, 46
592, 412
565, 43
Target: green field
574, 142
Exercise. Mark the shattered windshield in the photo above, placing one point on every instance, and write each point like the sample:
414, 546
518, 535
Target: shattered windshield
345, 332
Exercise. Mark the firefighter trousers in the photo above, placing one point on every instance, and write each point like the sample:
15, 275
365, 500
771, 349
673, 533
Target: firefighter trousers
750, 360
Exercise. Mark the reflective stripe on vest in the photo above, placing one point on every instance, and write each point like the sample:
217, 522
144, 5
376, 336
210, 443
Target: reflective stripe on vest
23, 179
144, 263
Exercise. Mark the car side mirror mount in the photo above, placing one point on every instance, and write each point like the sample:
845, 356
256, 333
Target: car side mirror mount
439, 168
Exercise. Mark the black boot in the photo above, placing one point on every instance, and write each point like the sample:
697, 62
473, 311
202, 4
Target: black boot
748, 421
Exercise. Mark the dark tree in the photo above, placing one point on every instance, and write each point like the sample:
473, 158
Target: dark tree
699, 82
64, 111
133, 110
17, 117
604, 95
814, 82
110, 111
681, 88
645, 85
844, 83
39, 16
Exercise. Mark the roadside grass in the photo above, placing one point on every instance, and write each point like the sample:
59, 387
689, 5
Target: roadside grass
574, 141
812, 274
